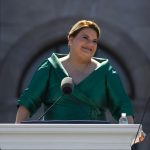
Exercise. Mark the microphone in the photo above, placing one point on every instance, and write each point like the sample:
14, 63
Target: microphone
66, 88
67, 85
140, 125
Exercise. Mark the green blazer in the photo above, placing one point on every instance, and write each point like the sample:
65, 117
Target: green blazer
89, 100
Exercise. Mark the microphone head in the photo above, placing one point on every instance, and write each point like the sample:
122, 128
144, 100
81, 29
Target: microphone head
67, 85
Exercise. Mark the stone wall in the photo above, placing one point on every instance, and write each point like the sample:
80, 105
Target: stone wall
27, 27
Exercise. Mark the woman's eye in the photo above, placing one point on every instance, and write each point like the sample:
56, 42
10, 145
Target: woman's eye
85, 37
95, 42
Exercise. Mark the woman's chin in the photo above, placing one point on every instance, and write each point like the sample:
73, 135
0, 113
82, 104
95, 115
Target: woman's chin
87, 53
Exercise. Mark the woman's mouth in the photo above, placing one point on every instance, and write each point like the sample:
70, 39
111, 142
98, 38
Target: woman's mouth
87, 50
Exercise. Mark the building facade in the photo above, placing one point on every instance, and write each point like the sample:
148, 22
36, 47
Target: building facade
31, 30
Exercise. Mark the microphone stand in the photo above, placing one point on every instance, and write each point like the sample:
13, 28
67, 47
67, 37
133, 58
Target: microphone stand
146, 105
50, 107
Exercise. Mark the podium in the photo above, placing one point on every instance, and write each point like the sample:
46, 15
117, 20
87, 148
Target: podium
67, 136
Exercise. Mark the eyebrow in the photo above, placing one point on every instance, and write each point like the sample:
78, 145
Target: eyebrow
84, 34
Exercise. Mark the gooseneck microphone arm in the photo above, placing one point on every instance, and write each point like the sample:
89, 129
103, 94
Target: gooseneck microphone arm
66, 88
50, 107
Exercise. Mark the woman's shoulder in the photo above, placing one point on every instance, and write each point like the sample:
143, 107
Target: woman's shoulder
45, 64
56, 57
101, 62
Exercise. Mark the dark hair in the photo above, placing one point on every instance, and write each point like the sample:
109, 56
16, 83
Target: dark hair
84, 24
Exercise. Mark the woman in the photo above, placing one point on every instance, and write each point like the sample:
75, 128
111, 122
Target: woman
97, 85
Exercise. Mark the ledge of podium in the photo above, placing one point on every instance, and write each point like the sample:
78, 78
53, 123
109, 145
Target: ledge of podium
56, 135
65, 122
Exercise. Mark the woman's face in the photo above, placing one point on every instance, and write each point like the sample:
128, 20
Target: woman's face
84, 44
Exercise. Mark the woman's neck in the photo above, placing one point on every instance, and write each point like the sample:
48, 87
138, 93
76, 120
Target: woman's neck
78, 69
77, 64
